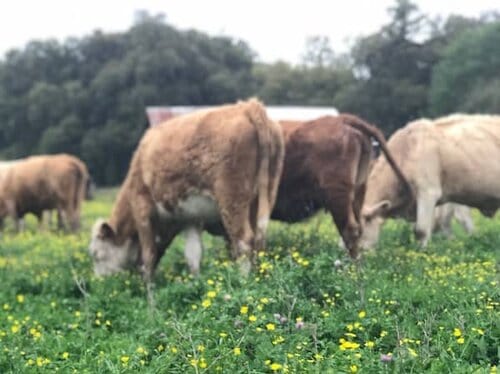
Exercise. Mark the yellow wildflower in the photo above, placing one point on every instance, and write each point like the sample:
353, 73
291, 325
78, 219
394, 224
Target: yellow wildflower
237, 351
211, 294
206, 303
203, 363
20, 298
354, 369
412, 352
362, 314
252, 318
278, 340
65, 355
244, 309
457, 332
479, 331
461, 340
275, 366
141, 351
344, 345
270, 327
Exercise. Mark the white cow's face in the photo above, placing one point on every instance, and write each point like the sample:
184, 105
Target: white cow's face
108, 257
373, 218
371, 233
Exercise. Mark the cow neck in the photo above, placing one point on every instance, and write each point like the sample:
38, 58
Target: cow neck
121, 219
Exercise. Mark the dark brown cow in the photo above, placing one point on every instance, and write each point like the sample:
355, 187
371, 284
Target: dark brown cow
326, 166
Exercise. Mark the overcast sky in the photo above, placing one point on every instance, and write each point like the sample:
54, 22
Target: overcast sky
274, 29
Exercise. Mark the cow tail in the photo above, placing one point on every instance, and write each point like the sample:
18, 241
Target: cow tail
79, 186
269, 163
375, 133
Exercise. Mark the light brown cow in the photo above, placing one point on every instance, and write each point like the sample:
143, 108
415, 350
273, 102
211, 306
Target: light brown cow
451, 159
326, 166
39, 183
214, 165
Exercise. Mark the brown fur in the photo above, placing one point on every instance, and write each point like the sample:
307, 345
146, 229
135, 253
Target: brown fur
41, 183
232, 154
326, 166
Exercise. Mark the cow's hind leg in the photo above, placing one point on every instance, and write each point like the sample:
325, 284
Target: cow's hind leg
464, 218
235, 214
340, 203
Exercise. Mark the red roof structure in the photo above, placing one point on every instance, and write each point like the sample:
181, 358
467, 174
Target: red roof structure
158, 114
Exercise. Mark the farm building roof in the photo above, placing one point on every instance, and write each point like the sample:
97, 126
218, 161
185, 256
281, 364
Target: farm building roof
158, 114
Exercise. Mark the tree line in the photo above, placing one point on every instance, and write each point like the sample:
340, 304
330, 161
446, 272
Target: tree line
87, 96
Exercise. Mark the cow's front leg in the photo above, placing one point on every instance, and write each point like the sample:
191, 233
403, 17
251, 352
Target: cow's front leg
425, 217
340, 203
12, 213
143, 216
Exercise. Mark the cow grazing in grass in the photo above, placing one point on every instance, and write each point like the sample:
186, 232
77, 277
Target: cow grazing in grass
216, 165
40, 183
326, 167
451, 159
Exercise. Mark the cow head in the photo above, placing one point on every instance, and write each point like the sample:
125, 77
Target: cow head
373, 218
108, 256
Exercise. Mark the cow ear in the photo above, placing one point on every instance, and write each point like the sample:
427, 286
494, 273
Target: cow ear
105, 231
378, 209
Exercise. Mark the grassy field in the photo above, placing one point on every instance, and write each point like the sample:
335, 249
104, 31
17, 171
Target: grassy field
305, 308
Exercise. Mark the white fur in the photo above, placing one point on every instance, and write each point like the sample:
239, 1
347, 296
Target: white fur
162, 212
371, 233
262, 224
193, 249
108, 257
196, 207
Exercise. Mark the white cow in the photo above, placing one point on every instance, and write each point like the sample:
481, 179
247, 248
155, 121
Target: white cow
451, 159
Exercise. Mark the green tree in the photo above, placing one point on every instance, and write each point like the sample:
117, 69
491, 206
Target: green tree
393, 71
468, 73
88, 96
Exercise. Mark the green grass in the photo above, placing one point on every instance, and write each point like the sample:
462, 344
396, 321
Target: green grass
434, 311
